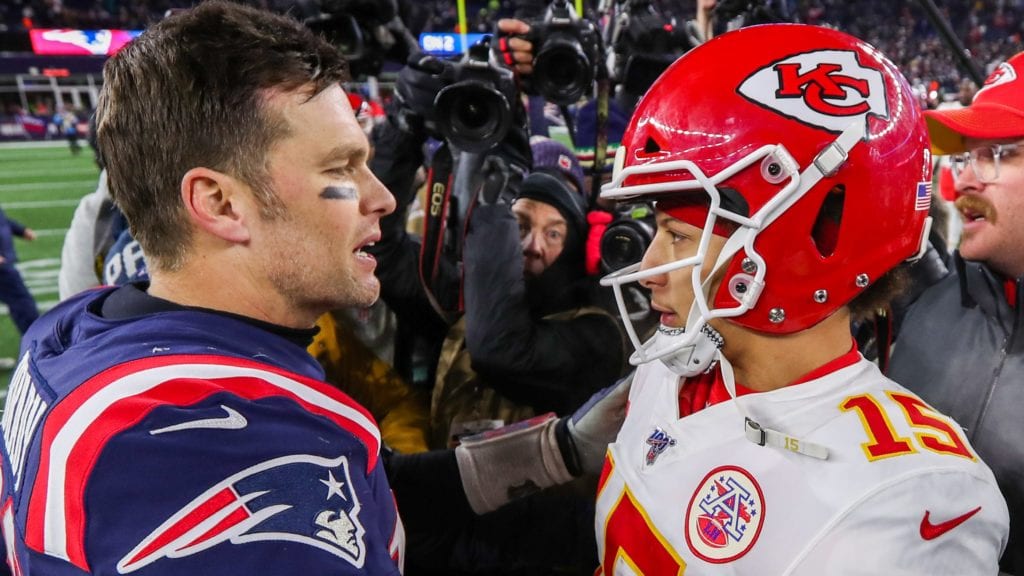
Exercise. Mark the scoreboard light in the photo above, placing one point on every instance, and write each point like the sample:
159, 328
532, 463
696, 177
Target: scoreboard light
447, 43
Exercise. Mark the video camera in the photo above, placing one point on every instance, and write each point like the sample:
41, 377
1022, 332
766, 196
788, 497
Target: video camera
474, 110
567, 52
367, 32
643, 46
627, 237
752, 11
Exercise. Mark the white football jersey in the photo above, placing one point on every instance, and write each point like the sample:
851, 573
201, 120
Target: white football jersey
900, 492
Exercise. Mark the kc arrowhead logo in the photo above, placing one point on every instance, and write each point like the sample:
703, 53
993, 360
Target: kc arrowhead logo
826, 89
1003, 74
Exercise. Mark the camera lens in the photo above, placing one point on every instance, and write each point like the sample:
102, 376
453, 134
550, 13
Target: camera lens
472, 116
562, 72
622, 244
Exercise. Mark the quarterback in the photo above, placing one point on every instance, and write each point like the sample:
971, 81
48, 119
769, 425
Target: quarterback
788, 185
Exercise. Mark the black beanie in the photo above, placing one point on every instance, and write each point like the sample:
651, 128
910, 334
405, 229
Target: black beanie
555, 191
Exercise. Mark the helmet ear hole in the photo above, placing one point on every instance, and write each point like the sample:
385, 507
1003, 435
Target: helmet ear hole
829, 221
651, 147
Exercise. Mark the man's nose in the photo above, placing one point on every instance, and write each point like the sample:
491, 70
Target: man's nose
532, 242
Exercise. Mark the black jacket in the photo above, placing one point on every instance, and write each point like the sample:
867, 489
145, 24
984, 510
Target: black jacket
960, 349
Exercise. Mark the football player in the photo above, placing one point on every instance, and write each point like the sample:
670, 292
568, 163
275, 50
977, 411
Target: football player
791, 173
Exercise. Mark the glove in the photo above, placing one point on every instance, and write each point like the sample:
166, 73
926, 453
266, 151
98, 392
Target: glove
501, 182
417, 86
512, 47
502, 465
592, 427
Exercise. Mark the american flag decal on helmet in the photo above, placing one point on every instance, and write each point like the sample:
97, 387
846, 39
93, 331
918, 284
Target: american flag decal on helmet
923, 197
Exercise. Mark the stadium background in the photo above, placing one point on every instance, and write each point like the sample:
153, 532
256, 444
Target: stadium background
41, 180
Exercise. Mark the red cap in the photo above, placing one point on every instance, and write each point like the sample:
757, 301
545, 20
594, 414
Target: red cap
996, 112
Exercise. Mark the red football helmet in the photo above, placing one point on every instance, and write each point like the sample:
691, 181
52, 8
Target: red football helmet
811, 144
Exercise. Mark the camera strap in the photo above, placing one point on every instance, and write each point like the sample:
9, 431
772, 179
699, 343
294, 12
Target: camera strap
440, 180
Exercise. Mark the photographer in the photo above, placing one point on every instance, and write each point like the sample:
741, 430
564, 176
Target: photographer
533, 339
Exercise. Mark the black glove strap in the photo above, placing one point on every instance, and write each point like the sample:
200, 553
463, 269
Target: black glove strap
568, 448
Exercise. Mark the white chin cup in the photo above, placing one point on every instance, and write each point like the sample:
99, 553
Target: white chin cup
682, 353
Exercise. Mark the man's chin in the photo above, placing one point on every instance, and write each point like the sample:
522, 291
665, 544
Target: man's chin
533, 271
360, 296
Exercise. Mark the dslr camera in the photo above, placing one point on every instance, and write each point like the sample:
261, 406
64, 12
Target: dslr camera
473, 111
627, 237
567, 51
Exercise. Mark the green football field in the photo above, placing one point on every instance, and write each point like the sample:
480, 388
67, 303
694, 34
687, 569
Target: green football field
40, 185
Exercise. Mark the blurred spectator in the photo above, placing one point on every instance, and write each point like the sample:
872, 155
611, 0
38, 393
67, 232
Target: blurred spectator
13, 291
67, 126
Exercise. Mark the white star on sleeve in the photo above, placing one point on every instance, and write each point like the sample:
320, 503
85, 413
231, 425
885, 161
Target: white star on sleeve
333, 486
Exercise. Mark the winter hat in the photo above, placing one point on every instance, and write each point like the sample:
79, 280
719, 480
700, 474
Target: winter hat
550, 189
552, 156
997, 111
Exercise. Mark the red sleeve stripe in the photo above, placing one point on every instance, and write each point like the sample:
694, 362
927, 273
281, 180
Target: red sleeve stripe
79, 426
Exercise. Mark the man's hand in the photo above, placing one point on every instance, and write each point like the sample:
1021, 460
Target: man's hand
417, 86
500, 182
29, 234
515, 52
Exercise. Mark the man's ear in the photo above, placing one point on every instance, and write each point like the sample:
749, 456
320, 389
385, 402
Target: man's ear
216, 204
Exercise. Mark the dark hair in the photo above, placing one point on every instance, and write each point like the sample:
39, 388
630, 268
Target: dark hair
878, 295
191, 91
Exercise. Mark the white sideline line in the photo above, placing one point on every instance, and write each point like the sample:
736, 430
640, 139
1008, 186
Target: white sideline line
51, 171
50, 231
26, 204
37, 263
39, 144
89, 184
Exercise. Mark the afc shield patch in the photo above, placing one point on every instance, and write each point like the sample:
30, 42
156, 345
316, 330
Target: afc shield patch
825, 89
725, 515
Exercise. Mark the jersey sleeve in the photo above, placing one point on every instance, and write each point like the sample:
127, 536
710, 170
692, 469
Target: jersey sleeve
946, 522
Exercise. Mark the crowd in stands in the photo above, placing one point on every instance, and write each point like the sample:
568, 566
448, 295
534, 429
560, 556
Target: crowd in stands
989, 29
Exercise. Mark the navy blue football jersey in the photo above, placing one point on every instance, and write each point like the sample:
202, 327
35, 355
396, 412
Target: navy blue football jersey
186, 442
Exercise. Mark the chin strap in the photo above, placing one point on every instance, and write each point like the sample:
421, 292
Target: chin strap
761, 435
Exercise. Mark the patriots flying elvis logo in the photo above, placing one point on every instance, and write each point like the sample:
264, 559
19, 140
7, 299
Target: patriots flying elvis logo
268, 501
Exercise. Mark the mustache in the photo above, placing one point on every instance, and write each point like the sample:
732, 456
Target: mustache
976, 205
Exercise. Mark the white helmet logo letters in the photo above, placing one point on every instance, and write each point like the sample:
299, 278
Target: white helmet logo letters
825, 89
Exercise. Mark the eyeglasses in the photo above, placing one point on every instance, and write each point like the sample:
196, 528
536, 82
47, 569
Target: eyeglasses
984, 161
